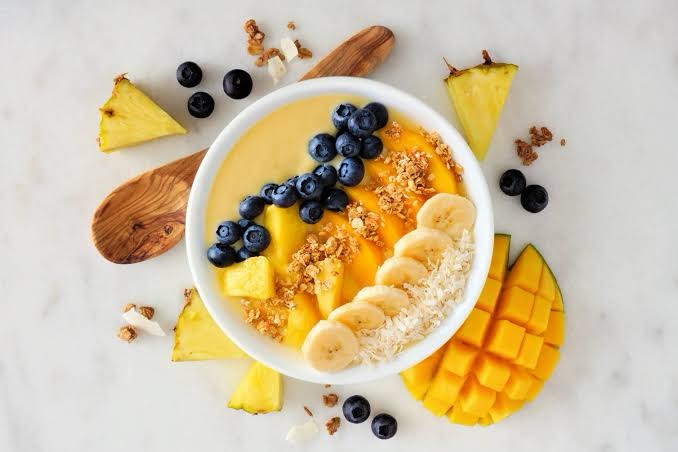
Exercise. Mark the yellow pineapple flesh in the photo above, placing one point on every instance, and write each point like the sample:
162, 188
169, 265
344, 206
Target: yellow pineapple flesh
130, 117
478, 95
260, 391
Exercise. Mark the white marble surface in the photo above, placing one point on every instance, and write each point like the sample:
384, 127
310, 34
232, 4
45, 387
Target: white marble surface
603, 74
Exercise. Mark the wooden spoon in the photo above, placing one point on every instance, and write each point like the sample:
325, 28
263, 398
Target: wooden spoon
145, 216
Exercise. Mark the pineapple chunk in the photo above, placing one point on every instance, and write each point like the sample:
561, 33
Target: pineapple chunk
130, 117
252, 278
288, 233
328, 285
478, 95
260, 391
301, 319
197, 337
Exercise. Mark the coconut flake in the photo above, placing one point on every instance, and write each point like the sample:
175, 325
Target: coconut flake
276, 68
289, 48
134, 318
302, 432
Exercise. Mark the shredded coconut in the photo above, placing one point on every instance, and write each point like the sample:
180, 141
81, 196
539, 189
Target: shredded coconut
431, 301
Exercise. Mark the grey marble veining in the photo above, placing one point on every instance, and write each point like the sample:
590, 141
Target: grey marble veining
602, 74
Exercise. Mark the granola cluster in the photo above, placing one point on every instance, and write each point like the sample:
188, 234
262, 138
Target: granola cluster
412, 171
267, 317
255, 37
303, 51
538, 137
393, 131
267, 55
330, 242
443, 150
332, 425
365, 223
392, 200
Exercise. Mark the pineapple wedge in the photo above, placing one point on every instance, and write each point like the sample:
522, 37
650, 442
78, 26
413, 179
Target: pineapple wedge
197, 337
252, 278
130, 117
260, 391
478, 95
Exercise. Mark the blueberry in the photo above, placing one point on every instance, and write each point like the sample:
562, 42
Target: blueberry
335, 200
251, 207
347, 145
512, 182
189, 74
356, 409
534, 198
379, 112
321, 148
309, 186
200, 105
256, 238
284, 196
228, 232
384, 426
244, 223
243, 253
372, 147
266, 193
237, 84
327, 175
362, 123
351, 171
340, 115
221, 255
292, 182
311, 211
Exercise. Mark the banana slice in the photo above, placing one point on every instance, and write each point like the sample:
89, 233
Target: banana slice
389, 299
423, 244
448, 213
330, 346
399, 270
358, 315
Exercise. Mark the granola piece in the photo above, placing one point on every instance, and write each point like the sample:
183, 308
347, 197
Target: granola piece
526, 153
308, 411
127, 333
303, 51
412, 171
562, 142
332, 425
128, 306
267, 55
391, 200
365, 223
255, 37
539, 137
147, 312
291, 25
394, 130
330, 400
441, 148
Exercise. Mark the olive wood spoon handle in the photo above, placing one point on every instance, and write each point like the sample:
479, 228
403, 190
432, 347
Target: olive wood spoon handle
145, 216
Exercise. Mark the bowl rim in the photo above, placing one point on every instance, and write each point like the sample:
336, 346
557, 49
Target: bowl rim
289, 362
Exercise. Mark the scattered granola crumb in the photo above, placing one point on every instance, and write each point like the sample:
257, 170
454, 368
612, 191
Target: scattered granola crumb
526, 153
147, 312
394, 130
391, 200
412, 171
364, 222
332, 425
539, 137
328, 386
303, 51
562, 141
291, 25
255, 37
330, 400
267, 55
128, 306
308, 411
330, 242
127, 333
441, 148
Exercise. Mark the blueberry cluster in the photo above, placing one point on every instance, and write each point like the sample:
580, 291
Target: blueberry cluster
315, 191
237, 84
533, 198
357, 410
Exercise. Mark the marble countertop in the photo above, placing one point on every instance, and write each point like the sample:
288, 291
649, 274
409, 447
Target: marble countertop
601, 74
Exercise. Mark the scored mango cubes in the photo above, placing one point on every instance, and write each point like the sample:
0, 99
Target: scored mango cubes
505, 350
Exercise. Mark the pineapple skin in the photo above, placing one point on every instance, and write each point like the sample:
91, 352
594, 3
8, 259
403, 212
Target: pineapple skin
130, 117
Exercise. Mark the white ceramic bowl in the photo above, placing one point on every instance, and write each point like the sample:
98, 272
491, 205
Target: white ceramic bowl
228, 316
